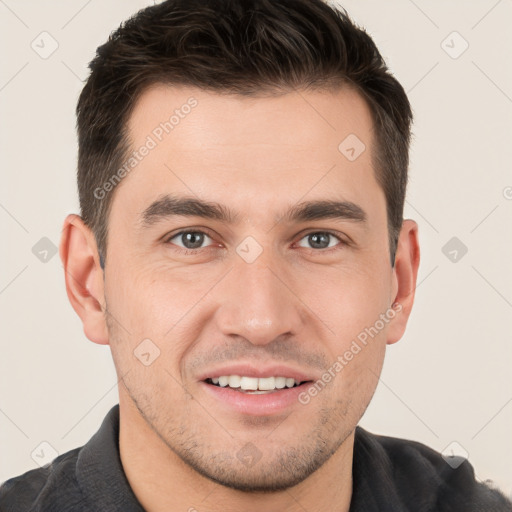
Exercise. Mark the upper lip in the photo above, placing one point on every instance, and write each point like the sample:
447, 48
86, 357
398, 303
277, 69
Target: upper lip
260, 371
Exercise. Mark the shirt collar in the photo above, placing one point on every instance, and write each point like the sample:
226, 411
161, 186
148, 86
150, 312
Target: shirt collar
100, 473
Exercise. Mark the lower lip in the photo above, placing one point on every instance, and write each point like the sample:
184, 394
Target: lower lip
256, 405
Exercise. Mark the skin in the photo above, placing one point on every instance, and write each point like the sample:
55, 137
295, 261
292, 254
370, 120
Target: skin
293, 305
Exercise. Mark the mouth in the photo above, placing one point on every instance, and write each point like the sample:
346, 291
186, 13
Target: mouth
263, 390
255, 385
255, 396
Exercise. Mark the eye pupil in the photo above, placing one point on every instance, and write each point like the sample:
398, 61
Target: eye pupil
319, 239
194, 238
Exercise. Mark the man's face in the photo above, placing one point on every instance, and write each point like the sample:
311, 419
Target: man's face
262, 296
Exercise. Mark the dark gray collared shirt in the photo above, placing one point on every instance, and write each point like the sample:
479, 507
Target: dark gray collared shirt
389, 474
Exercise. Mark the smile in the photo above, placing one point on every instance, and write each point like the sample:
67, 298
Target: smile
254, 385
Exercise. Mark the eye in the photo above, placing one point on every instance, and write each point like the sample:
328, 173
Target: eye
190, 240
321, 240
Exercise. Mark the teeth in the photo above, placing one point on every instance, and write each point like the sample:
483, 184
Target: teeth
280, 382
290, 383
249, 383
234, 381
254, 383
267, 383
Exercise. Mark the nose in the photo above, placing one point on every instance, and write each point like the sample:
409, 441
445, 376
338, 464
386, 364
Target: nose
257, 302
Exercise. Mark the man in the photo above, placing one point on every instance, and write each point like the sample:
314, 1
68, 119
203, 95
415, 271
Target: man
242, 250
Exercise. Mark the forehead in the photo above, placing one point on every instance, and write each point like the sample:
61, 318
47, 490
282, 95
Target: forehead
253, 152
303, 119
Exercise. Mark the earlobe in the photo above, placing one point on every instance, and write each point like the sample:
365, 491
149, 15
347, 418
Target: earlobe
405, 274
84, 277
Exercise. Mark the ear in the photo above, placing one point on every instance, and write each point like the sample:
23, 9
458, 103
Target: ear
84, 277
405, 272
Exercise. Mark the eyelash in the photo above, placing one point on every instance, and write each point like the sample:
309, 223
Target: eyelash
188, 252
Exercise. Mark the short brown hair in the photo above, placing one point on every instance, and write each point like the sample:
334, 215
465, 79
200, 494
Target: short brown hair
245, 47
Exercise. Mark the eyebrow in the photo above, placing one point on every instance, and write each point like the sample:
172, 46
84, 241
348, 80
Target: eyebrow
170, 206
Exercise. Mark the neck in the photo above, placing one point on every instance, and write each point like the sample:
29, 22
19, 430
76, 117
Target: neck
162, 482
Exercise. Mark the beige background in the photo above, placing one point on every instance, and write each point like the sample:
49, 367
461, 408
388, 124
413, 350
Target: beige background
448, 380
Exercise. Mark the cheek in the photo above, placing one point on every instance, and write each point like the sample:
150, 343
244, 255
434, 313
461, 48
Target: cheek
150, 299
160, 304
348, 300
351, 303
